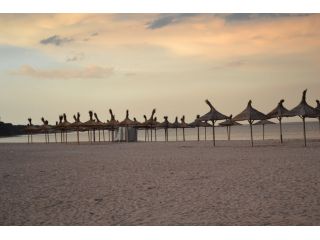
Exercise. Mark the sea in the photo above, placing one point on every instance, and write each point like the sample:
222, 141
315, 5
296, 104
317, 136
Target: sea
291, 130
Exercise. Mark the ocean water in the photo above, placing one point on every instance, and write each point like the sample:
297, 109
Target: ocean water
291, 130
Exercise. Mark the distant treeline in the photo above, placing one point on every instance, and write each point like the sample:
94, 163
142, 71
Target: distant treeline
7, 129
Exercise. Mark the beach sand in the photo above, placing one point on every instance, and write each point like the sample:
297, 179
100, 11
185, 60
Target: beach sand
175, 183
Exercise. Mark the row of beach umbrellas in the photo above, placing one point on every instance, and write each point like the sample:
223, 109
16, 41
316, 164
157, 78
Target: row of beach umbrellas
150, 125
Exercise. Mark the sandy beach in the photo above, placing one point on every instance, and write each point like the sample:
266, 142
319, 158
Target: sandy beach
175, 183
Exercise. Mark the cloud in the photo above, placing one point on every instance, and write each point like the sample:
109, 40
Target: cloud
240, 17
56, 40
89, 72
231, 64
167, 19
75, 57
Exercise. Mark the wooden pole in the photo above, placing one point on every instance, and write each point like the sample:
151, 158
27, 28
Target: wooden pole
99, 135
104, 139
155, 134
55, 136
213, 134
205, 133
250, 122
176, 134
78, 136
184, 139
304, 131
229, 137
262, 131
281, 141
198, 133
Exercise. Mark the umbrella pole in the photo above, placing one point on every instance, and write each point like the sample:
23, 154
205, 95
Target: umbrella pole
229, 133
99, 135
28, 137
104, 139
304, 131
55, 136
198, 133
176, 134
151, 132
94, 135
262, 131
155, 134
205, 133
281, 141
66, 136
127, 134
88, 136
184, 139
250, 122
61, 136
213, 134
145, 134
78, 136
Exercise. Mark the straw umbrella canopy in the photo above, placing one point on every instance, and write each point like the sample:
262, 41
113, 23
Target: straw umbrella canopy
304, 110
279, 112
127, 122
228, 123
183, 125
213, 115
263, 122
90, 125
76, 125
250, 114
30, 129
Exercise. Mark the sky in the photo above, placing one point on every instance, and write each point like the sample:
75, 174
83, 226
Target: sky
67, 63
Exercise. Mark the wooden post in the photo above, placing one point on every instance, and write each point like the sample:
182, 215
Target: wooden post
205, 133
176, 134
304, 131
250, 122
262, 131
213, 134
281, 141
184, 139
198, 133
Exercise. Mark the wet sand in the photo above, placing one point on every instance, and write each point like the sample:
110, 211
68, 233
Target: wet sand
175, 183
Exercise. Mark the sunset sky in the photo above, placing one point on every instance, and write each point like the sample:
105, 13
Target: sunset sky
67, 63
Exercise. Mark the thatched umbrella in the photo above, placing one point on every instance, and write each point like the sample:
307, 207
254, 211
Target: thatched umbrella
279, 112
165, 125
90, 125
76, 125
176, 125
228, 123
213, 115
112, 124
45, 129
100, 126
155, 124
127, 122
197, 123
58, 126
183, 125
304, 110
318, 110
149, 123
250, 114
30, 129
66, 126
263, 122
